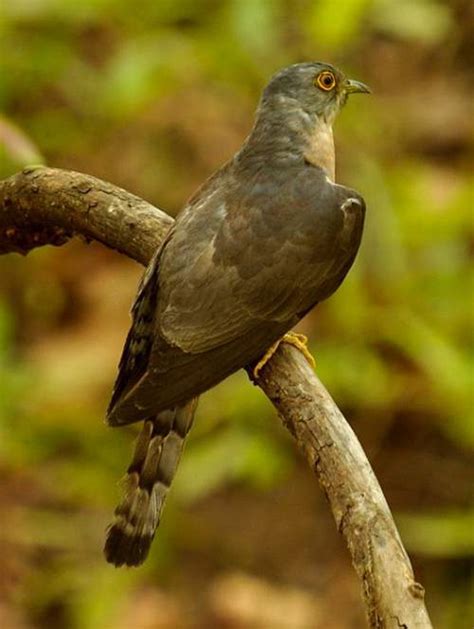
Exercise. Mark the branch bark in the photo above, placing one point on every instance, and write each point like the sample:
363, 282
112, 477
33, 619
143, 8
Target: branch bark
42, 206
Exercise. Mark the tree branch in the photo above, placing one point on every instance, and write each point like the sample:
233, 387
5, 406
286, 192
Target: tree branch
392, 597
48, 206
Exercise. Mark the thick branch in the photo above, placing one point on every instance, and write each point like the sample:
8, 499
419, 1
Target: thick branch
47, 206
392, 597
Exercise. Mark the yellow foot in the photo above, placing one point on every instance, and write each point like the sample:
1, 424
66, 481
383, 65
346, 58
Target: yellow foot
265, 358
298, 340
301, 342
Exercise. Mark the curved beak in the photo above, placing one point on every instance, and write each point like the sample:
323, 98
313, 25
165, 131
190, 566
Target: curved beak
356, 87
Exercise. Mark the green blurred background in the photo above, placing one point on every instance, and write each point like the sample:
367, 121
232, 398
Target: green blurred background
153, 96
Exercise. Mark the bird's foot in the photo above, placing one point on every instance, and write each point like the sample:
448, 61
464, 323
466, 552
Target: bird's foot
293, 338
300, 341
265, 358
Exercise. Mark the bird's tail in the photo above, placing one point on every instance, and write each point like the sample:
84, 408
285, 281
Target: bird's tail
149, 476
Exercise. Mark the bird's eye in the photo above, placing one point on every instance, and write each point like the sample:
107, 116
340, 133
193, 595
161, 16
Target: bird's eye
326, 81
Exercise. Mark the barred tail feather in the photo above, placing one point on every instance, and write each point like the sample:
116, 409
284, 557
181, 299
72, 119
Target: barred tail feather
149, 476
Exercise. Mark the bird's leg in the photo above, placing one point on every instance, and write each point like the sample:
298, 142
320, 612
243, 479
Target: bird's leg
293, 338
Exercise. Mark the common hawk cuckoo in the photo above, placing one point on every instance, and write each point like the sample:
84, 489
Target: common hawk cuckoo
265, 238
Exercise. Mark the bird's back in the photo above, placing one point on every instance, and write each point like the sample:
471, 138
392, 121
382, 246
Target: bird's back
245, 260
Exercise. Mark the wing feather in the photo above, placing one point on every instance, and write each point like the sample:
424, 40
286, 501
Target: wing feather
252, 254
138, 344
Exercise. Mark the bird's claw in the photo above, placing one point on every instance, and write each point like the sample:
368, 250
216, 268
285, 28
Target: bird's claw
293, 338
300, 341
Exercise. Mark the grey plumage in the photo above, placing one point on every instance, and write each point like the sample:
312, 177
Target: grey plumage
267, 237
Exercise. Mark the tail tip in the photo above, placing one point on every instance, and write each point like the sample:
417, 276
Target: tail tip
123, 549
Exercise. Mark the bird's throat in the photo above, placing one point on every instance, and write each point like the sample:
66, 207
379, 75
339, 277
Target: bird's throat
319, 150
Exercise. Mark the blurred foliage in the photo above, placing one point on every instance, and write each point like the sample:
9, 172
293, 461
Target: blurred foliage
153, 97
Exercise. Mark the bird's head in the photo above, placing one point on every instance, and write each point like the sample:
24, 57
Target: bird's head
317, 89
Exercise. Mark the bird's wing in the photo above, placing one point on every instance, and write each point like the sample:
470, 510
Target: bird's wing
257, 254
237, 271
139, 341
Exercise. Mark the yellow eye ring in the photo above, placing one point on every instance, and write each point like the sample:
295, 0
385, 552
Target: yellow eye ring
326, 81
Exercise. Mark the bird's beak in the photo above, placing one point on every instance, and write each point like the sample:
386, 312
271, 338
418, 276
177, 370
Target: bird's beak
356, 87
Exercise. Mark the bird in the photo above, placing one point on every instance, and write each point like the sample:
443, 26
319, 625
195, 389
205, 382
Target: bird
267, 237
